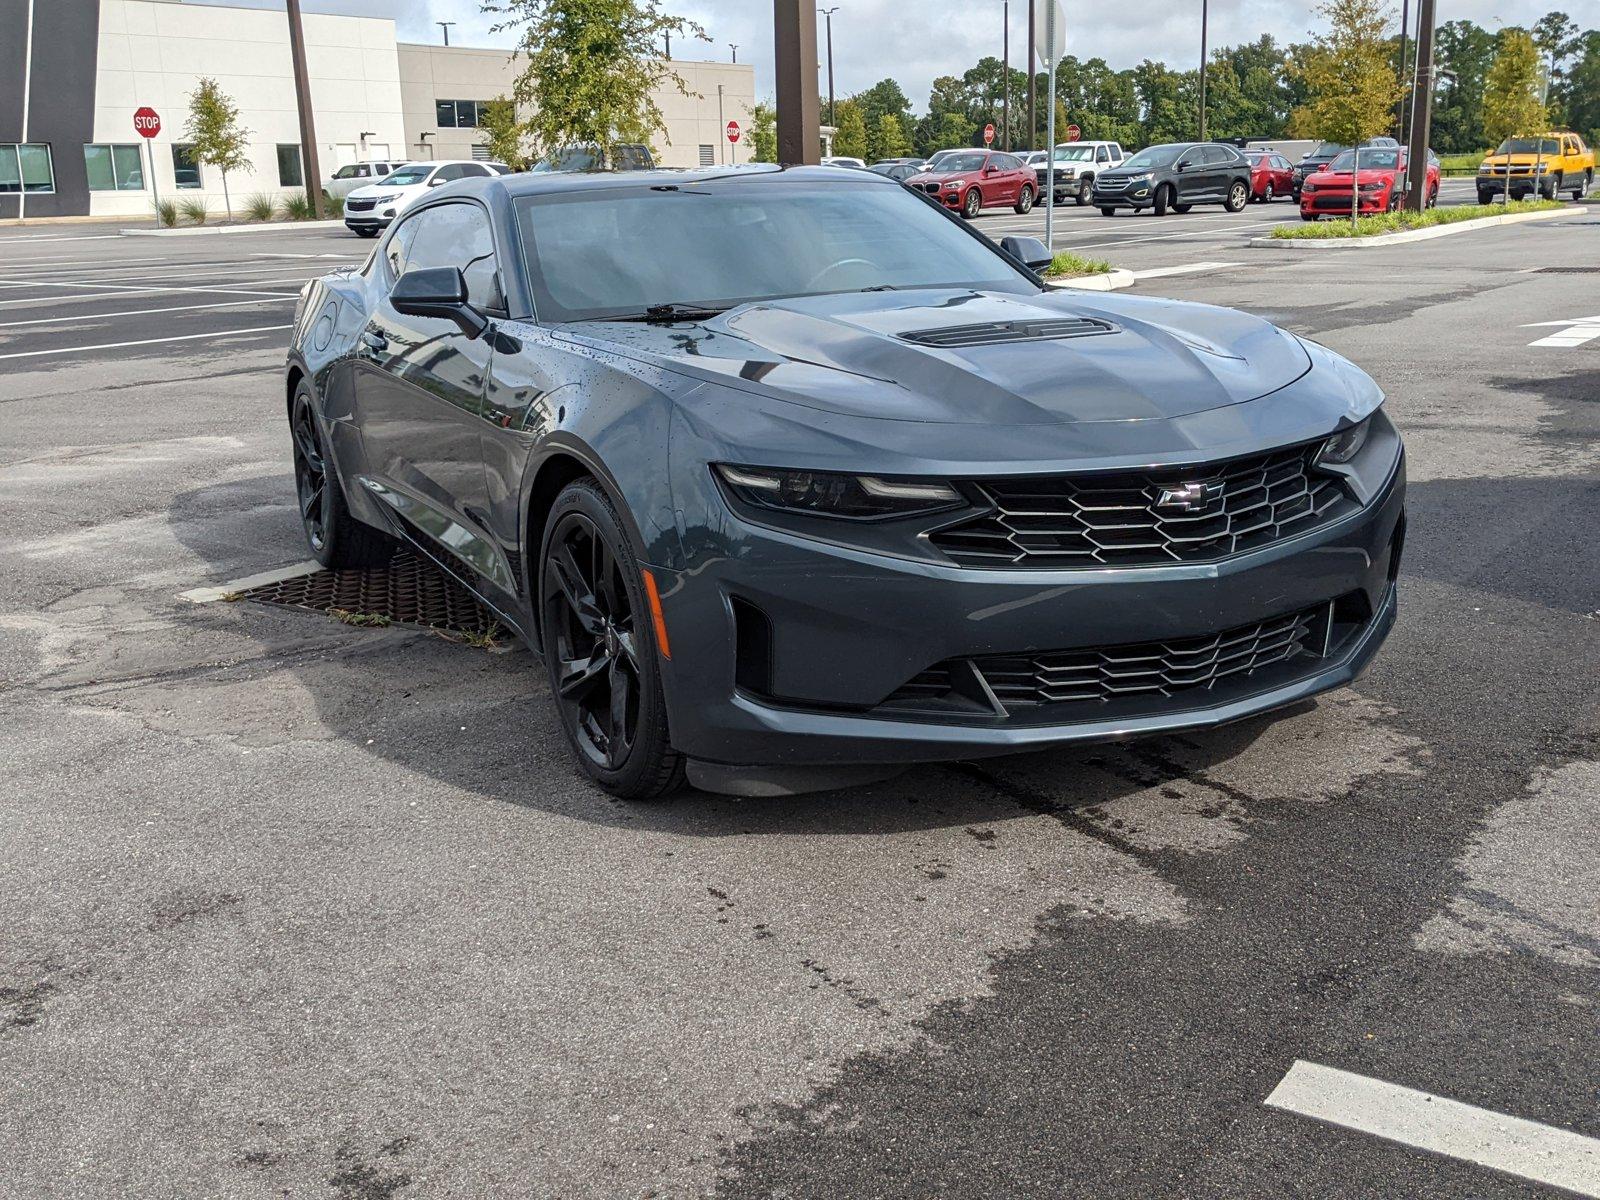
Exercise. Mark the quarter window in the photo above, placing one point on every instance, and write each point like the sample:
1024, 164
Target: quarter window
459, 235
291, 170
26, 168
185, 167
114, 168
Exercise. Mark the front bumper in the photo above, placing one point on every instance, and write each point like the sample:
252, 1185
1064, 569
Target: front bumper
784, 652
1139, 195
1335, 204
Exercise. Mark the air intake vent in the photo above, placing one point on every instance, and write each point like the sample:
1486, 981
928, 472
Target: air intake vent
995, 333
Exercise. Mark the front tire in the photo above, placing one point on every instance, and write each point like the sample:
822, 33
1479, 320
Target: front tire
1107, 211
971, 204
1164, 197
336, 539
1085, 193
600, 649
1238, 196
1024, 204
367, 233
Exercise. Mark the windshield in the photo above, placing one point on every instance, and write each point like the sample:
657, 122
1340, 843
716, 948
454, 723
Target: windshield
1327, 150
1373, 158
1074, 153
1530, 146
616, 252
573, 158
407, 176
1155, 156
961, 162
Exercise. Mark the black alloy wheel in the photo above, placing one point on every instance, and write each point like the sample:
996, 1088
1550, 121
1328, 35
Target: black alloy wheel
310, 474
1238, 196
600, 649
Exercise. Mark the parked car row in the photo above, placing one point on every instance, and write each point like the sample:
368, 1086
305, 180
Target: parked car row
1379, 185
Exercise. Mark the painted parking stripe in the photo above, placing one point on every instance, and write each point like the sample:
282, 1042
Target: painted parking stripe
210, 595
91, 318
1526, 1149
1185, 269
187, 337
1574, 332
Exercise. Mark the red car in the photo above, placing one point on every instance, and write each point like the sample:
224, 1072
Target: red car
974, 180
1271, 175
1382, 184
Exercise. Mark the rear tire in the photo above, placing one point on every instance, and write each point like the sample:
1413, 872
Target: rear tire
1164, 197
1269, 196
600, 649
1024, 204
1238, 196
336, 539
971, 203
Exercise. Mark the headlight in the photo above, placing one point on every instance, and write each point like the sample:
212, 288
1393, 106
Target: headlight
1542, 167
829, 494
1344, 445
1374, 187
385, 198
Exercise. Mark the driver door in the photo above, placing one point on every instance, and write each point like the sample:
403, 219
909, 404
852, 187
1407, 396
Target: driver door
1191, 176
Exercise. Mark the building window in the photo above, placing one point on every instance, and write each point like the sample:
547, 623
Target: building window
708, 156
291, 170
114, 168
457, 114
26, 168
185, 168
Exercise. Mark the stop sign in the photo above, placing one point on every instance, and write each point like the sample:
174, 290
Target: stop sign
733, 132
147, 122
1073, 133
988, 135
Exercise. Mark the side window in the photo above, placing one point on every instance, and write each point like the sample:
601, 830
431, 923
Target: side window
381, 168
454, 171
363, 172
1116, 151
473, 171
396, 250
458, 235
1101, 154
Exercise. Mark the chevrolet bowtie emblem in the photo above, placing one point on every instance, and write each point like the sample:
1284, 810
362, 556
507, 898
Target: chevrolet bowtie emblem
1190, 497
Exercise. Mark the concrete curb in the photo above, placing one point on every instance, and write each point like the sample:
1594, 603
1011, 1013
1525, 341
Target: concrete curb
1410, 235
1111, 281
258, 227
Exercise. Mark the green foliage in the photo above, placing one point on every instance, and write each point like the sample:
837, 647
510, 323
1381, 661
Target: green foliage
167, 213
1349, 75
194, 211
260, 207
851, 140
1580, 89
498, 119
592, 69
1463, 52
1067, 265
1511, 99
296, 206
1399, 222
764, 133
887, 139
214, 133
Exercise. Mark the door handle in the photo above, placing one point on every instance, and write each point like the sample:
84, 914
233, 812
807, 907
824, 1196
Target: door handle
374, 341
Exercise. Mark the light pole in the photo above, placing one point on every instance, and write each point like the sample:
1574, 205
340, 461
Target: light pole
1033, 87
308, 122
1405, 26
1421, 110
1005, 75
827, 16
734, 46
445, 25
1204, 17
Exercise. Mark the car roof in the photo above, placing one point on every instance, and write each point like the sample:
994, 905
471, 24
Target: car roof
550, 182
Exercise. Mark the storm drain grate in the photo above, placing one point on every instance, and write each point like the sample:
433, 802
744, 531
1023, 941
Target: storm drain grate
408, 590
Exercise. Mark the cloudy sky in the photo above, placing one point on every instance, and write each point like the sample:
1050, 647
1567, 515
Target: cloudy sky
916, 40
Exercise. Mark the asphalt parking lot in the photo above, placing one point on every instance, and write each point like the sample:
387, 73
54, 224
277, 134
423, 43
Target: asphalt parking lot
298, 908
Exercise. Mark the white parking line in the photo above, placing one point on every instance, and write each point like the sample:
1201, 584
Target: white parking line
141, 312
1526, 1149
1186, 269
1575, 332
187, 337
210, 595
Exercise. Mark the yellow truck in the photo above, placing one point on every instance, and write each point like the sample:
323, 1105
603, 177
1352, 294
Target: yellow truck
1551, 163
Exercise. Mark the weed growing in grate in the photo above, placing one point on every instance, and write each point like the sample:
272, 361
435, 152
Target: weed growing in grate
362, 619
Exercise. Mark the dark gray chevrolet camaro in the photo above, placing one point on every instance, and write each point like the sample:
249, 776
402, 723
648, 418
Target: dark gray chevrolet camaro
793, 478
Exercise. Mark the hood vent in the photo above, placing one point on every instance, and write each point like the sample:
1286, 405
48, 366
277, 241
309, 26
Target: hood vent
996, 333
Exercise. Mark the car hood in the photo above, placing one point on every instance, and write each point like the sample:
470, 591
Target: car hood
940, 176
1335, 179
380, 188
849, 355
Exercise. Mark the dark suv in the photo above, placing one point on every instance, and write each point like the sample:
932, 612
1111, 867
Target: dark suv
1176, 176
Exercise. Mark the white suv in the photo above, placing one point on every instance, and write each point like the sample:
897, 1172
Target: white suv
1077, 163
348, 178
369, 210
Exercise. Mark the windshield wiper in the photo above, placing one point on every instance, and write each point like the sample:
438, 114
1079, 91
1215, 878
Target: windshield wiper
666, 314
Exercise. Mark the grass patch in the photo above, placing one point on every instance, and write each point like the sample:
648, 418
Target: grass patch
1068, 266
361, 620
333, 206
167, 213
194, 211
260, 207
296, 206
1399, 222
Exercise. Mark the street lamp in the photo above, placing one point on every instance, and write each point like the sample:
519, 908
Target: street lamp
734, 46
827, 14
1204, 16
445, 25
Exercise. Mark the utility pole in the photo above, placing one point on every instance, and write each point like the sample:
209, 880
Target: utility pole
308, 122
1005, 75
1204, 17
794, 26
669, 45
1033, 87
1421, 111
1405, 26
827, 16
445, 25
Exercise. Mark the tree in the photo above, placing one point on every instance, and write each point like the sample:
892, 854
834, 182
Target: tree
592, 68
215, 135
851, 139
1556, 37
887, 139
1463, 52
764, 133
1511, 103
498, 119
1581, 89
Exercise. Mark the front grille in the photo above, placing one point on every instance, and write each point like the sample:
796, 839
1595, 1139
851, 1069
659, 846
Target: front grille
1116, 519
931, 188
1331, 200
1136, 679
360, 205
994, 333
1102, 184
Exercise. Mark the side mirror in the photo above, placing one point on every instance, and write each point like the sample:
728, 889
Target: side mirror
1029, 251
1182, 166
438, 292
436, 182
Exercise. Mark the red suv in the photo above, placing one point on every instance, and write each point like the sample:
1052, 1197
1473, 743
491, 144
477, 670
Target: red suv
1271, 175
1382, 184
973, 180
